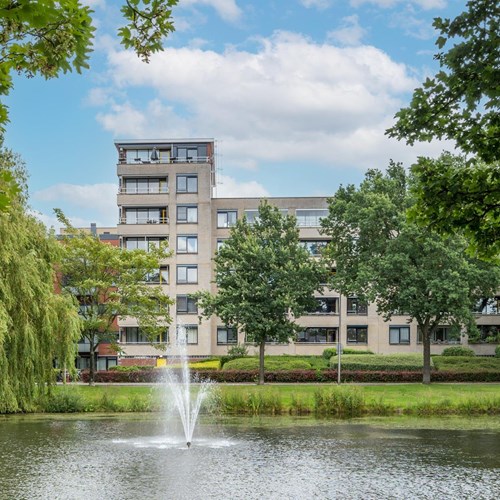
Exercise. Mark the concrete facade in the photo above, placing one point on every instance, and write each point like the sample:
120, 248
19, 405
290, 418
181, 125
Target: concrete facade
167, 190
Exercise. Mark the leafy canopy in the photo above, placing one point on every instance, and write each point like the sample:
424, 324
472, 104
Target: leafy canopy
37, 326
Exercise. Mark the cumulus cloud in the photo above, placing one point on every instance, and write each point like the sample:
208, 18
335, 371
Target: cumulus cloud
349, 33
318, 4
228, 187
291, 100
424, 4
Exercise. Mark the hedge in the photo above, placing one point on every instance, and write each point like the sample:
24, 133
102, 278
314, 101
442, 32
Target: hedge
297, 376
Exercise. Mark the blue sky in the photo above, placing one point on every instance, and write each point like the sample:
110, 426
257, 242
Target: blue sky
297, 94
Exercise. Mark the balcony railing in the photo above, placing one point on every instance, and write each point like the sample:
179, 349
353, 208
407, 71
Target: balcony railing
138, 220
173, 159
125, 190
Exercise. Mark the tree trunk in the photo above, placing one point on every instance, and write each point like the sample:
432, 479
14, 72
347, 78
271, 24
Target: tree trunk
426, 339
262, 347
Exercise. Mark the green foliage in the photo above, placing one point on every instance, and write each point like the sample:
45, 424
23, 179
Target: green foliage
382, 257
329, 352
64, 401
468, 364
237, 351
497, 351
108, 282
270, 363
264, 278
356, 351
340, 401
458, 350
36, 325
49, 37
461, 101
381, 362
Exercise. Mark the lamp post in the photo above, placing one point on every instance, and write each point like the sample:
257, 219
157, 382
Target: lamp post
339, 345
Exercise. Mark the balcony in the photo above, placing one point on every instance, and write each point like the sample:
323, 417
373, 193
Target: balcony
167, 160
139, 220
124, 190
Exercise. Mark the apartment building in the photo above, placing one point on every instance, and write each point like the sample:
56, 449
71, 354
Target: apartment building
167, 192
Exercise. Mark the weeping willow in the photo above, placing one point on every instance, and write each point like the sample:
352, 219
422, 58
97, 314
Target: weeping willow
37, 326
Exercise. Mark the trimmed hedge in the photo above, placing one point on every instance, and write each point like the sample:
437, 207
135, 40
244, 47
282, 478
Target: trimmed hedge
458, 350
381, 362
270, 363
299, 376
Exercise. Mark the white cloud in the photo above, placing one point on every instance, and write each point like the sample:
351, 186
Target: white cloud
51, 221
318, 4
228, 187
292, 100
226, 9
349, 33
98, 201
412, 25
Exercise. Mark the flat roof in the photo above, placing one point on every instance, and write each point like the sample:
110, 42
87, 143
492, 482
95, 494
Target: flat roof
153, 142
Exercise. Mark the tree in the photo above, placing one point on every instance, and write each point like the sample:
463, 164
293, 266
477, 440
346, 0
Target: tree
454, 195
48, 37
460, 103
405, 269
108, 283
36, 325
264, 279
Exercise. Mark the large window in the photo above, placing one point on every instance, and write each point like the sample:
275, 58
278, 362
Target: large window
252, 215
226, 335
325, 305
157, 215
443, 335
145, 186
226, 218
190, 332
357, 334
310, 217
133, 335
187, 214
187, 244
161, 276
187, 274
314, 247
318, 335
356, 306
186, 305
143, 243
399, 335
488, 306
187, 183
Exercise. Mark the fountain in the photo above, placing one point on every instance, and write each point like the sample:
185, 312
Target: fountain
178, 381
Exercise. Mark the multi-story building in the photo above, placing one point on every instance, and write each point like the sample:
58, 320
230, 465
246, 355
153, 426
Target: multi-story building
167, 192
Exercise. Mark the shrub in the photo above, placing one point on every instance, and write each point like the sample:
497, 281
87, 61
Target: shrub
497, 351
270, 363
458, 350
131, 368
381, 362
329, 352
354, 351
65, 401
466, 364
340, 401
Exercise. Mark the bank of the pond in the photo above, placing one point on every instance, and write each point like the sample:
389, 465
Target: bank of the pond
296, 399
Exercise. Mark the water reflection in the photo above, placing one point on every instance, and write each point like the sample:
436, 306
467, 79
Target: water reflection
142, 457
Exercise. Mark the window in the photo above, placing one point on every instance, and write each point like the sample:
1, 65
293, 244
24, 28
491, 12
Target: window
314, 247
318, 336
143, 243
133, 335
190, 332
186, 305
310, 217
187, 214
160, 276
357, 334
138, 155
187, 244
144, 186
443, 335
145, 215
399, 335
187, 183
220, 242
226, 335
488, 306
356, 306
326, 305
226, 218
187, 274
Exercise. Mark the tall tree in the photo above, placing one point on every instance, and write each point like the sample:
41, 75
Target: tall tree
36, 324
403, 268
461, 103
108, 283
264, 279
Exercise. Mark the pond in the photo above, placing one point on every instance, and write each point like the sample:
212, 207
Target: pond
140, 456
